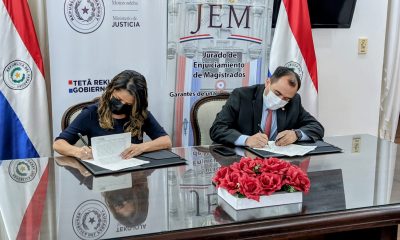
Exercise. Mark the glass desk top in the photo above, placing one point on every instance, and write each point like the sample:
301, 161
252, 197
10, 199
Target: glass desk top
56, 198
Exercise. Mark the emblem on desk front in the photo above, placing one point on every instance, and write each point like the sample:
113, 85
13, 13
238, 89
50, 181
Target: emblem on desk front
23, 171
91, 220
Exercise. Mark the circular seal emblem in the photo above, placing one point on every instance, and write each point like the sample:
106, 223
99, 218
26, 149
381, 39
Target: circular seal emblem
17, 75
84, 16
23, 171
220, 85
295, 66
91, 220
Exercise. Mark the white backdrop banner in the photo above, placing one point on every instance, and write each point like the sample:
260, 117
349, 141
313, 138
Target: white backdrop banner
93, 40
214, 46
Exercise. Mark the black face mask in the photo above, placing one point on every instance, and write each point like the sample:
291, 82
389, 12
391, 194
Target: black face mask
117, 107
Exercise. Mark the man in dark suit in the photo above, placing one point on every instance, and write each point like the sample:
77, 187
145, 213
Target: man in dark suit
256, 114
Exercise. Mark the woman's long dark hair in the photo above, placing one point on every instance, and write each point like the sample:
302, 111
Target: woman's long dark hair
135, 84
137, 196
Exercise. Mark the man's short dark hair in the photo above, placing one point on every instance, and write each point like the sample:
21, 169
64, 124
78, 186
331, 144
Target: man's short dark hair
285, 71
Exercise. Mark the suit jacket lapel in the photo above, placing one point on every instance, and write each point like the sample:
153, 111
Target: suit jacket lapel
257, 107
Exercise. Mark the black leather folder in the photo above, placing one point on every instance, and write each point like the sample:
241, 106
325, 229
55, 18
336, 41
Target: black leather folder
322, 148
161, 158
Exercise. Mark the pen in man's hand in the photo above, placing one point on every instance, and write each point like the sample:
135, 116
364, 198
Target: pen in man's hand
280, 137
277, 140
259, 128
261, 131
83, 140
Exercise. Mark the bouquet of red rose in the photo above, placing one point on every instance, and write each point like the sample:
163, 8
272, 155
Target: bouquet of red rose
252, 178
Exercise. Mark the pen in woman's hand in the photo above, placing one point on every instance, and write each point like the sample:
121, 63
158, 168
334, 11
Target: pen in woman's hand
83, 140
87, 150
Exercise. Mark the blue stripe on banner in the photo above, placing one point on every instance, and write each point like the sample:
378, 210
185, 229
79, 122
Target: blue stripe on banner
14, 142
247, 40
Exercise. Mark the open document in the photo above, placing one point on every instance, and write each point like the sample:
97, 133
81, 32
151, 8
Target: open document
107, 150
289, 150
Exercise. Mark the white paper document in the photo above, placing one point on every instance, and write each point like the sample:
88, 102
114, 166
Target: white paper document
113, 182
107, 149
289, 150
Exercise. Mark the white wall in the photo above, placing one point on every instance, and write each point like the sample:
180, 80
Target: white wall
350, 84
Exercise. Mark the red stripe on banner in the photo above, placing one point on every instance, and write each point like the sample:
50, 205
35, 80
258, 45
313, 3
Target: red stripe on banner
299, 22
21, 17
194, 36
246, 69
180, 87
31, 223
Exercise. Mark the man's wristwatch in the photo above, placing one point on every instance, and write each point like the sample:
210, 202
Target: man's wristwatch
299, 135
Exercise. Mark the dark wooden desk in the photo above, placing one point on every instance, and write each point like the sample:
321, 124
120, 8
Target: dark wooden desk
354, 195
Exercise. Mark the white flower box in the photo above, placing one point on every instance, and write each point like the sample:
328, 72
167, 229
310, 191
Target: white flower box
277, 198
259, 213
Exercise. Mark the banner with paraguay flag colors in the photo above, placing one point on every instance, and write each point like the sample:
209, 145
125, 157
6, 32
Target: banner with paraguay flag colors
293, 47
24, 119
24, 183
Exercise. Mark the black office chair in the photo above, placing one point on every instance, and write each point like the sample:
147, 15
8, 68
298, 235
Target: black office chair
203, 114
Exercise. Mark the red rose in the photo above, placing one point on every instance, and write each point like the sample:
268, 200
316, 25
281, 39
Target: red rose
220, 174
243, 166
234, 176
256, 165
296, 178
275, 165
270, 182
235, 167
230, 181
250, 187
246, 160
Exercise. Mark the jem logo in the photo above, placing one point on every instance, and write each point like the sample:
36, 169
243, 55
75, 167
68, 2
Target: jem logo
213, 14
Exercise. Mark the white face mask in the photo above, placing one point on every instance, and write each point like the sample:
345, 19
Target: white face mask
273, 102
